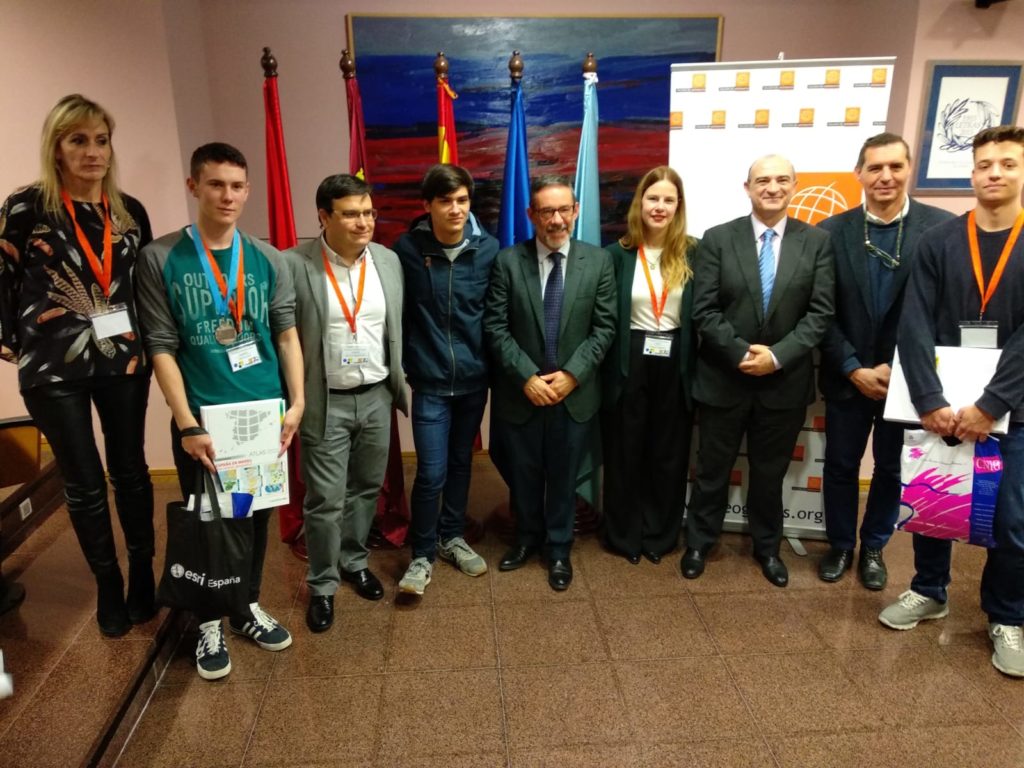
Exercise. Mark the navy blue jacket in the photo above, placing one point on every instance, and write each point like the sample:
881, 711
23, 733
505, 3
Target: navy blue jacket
442, 321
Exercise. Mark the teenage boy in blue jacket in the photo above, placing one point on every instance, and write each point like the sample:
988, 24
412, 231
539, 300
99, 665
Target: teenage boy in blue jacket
446, 258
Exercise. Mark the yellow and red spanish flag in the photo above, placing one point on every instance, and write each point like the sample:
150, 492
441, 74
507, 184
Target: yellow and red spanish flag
447, 146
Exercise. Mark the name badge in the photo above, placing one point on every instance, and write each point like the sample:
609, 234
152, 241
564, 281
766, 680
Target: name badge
657, 345
981, 334
113, 322
355, 354
244, 355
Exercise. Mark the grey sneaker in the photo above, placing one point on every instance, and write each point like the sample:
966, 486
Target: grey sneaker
417, 576
911, 609
212, 660
459, 553
1009, 649
263, 629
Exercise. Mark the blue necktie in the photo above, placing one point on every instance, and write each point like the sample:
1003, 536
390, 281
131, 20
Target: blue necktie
552, 312
766, 266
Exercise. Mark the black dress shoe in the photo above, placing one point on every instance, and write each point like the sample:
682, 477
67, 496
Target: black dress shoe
516, 557
320, 613
774, 570
835, 564
634, 559
652, 557
560, 574
692, 564
871, 569
368, 586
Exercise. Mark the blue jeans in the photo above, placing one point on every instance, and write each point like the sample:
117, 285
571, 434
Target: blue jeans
1002, 581
847, 425
443, 431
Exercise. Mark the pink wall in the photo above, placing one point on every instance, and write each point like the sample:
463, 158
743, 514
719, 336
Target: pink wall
177, 73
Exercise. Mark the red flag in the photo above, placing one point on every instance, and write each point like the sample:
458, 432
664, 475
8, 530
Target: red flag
279, 192
356, 130
447, 147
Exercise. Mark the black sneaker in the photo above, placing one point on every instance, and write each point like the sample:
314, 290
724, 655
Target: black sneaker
212, 660
263, 629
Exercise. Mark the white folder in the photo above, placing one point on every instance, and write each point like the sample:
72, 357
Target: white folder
964, 373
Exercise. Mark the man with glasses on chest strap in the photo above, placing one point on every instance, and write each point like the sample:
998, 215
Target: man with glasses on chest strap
348, 295
548, 321
873, 247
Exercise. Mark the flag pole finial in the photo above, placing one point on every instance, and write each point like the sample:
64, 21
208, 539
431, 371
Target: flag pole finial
515, 67
589, 64
347, 64
441, 65
269, 63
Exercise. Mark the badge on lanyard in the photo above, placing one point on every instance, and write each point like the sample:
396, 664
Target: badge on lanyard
244, 355
655, 344
981, 334
348, 351
658, 344
229, 302
984, 334
114, 321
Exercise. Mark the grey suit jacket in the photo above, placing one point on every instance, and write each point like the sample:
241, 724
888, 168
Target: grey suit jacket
306, 265
514, 327
728, 312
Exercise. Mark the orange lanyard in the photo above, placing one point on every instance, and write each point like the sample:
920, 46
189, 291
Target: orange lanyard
349, 315
657, 308
103, 270
236, 304
1004, 257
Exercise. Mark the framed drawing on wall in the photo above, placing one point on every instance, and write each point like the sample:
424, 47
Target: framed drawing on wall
961, 98
394, 54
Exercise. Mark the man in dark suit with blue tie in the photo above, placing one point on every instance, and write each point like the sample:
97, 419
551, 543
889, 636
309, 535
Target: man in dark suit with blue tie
548, 322
874, 248
763, 297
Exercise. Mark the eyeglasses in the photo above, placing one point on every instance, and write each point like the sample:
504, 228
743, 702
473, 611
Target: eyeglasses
887, 259
370, 214
546, 214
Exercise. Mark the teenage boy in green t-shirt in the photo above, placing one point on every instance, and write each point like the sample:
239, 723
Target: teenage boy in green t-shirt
218, 314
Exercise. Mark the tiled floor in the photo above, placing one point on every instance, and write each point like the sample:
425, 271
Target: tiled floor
633, 666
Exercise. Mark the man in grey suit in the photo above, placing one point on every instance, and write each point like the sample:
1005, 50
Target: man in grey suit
349, 313
763, 297
548, 322
874, 248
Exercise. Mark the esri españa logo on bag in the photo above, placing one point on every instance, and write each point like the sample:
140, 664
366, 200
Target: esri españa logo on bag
178, 571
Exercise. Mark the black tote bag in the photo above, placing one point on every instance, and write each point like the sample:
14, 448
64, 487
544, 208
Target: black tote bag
208, 563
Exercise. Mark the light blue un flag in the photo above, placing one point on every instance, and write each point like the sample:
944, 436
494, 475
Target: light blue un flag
588, 191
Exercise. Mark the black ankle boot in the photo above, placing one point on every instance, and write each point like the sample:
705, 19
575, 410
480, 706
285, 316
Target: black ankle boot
141, 589
111, 613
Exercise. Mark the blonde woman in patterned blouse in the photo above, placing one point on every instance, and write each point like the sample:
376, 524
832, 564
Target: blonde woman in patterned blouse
68, 246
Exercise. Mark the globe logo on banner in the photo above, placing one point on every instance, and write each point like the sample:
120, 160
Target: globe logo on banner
820, 195
177, 571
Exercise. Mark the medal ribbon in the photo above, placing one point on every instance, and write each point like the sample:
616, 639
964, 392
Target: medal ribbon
224, 300
350, 315
657, 308
1004, 257
102, 270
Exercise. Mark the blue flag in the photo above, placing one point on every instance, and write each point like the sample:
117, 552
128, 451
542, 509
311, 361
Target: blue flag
513, 224
588, 191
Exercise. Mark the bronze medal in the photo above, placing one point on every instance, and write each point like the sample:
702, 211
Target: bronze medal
226, 332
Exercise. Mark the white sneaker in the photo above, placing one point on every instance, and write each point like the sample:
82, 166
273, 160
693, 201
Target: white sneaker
1007, 642
417, 576
462, 556
212, 660
911, 609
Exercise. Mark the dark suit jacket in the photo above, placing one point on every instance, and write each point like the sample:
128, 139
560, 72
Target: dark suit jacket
856, 330
729, 317
514, 327
615, 369
305, 262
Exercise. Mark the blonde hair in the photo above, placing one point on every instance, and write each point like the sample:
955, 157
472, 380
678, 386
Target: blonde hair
69, 113
675, 266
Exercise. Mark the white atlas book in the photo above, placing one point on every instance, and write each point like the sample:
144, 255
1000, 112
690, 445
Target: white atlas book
247, 437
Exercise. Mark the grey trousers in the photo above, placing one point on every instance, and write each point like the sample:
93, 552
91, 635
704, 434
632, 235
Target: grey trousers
343, 475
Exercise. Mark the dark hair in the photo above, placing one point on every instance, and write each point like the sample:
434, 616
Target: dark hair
338, 186
999, 133
881, 140
444, 179
216, 152
549, 180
